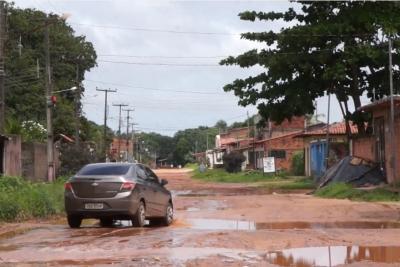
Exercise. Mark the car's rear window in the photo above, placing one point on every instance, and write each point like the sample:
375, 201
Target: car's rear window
104, 170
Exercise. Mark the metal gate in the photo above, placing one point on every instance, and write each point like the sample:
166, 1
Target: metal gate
318, 154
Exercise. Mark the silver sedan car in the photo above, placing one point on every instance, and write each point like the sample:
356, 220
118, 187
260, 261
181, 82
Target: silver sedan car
117, 191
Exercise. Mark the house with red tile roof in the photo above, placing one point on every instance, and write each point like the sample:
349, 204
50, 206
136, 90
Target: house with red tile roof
273, 140
315, 146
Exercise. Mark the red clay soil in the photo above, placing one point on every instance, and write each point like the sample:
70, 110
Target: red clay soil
221, 225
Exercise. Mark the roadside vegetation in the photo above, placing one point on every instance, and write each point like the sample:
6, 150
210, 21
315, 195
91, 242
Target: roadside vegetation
22, 200
270, 181
346, 191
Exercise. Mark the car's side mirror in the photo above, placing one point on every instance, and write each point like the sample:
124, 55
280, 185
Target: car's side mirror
164, 182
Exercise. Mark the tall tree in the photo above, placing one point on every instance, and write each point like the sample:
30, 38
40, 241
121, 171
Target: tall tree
24, 64
337, 48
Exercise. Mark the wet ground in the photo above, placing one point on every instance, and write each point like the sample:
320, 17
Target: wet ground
220, 225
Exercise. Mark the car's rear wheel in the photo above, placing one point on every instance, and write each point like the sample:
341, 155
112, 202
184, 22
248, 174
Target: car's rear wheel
106, 222
139, 218
74, 221
169, 215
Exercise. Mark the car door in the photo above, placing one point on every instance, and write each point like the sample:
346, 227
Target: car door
160, 202
148, 191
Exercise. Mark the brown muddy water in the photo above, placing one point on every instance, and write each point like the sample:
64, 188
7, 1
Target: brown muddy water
333, 256
216, 224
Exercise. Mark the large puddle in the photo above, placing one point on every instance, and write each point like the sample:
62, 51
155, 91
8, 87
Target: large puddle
215, 224
333, 256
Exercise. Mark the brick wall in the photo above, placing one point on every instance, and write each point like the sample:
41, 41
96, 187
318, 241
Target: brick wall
288, 143
364, 147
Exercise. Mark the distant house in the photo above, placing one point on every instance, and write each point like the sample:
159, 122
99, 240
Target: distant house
315, 146
379, 146
281, 147
275, 140
121, 146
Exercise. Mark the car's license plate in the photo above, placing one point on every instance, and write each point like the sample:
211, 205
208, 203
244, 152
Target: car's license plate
94, 206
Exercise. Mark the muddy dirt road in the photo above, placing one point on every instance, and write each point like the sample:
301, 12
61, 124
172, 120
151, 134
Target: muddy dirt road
220, 225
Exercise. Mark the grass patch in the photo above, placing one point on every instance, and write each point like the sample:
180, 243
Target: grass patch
294, 184
192, 166
21, 200
346, 191
222, 176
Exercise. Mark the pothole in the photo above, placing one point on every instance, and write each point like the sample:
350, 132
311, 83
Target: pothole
333, 255
216, 224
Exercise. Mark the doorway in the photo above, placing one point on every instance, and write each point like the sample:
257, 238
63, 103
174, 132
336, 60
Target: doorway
1, 156
379, 132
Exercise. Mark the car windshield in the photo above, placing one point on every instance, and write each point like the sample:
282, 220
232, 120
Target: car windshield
104, 170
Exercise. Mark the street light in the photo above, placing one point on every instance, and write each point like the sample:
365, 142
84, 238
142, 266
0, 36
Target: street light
65, 90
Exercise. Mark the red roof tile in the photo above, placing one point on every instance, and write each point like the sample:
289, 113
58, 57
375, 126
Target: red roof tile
337, 128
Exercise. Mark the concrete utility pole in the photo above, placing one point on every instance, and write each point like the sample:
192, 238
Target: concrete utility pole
2, 73
133, 139
49, 106
327, 133
119, 126
128, 111
393, 160
77, 108
106, 91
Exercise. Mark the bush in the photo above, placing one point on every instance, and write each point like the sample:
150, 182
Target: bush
74, 158
298, 163
20, 199
9, 209
233, 161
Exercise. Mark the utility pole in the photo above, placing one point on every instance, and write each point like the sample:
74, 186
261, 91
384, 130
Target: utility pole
393, 160
327, 132
106, 91
133, 139
2, 73
77, 113
128, 111
49, 106
119, 126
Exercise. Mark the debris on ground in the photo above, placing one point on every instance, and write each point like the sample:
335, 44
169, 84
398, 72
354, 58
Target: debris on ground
353, 170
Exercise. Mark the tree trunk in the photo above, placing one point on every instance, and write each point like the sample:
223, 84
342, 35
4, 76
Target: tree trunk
357, 105
348, 129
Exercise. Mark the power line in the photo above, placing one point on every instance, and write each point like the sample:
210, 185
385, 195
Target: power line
143, 29
152, 30
160, 64
155, 89
149, 56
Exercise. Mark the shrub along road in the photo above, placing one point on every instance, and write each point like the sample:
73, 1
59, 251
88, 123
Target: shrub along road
219, 224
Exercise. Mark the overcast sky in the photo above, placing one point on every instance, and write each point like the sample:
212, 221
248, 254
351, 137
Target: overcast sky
166, 97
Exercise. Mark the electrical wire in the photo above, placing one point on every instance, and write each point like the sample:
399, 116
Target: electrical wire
160, 64
155, 89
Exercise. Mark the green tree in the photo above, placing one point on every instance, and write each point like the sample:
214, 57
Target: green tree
221, 125
337, 48
25, 98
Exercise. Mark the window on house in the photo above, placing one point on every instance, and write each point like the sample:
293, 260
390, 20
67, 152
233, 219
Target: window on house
279, 154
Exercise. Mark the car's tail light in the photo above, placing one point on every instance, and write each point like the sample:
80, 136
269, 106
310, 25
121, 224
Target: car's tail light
127, 186
68, 186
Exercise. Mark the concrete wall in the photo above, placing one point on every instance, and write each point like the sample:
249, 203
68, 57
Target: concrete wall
12, 156
34, 161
